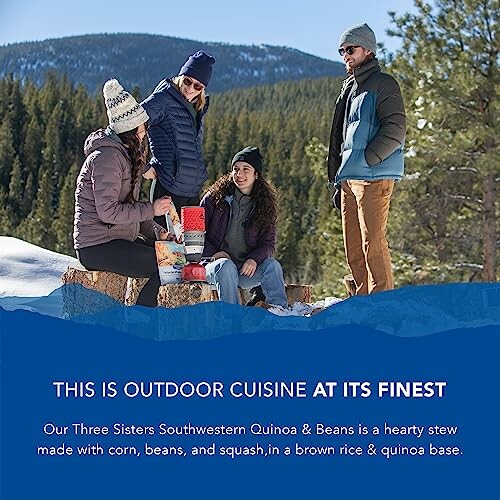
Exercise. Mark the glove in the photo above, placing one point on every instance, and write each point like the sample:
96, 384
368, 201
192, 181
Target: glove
336, 197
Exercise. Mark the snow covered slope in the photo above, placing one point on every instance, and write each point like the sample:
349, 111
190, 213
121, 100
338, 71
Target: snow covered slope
27, 270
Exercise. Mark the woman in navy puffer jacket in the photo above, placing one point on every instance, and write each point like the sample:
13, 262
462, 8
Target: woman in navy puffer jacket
176, 109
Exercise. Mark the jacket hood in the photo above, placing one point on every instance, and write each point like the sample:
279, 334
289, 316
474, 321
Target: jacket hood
102, 138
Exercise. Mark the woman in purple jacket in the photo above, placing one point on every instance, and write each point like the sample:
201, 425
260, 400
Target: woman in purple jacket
108, 216
240, 217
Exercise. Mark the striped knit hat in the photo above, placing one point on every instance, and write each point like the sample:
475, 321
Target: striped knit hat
124, 112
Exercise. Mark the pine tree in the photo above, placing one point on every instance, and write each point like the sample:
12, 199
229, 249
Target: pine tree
16, 115
7, 155
53, 155
5, 219
16, 190
32, 146
448, 71
37, 227
28, 196
63, 222
31, 159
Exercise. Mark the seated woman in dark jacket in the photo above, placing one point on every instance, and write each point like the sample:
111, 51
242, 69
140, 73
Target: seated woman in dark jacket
176, 109
108, 215
240, 218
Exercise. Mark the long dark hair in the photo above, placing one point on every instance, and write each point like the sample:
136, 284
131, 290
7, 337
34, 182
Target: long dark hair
263, 195
137, 151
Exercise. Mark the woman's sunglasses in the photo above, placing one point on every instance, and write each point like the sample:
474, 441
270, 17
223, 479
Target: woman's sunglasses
348, 50
188, 82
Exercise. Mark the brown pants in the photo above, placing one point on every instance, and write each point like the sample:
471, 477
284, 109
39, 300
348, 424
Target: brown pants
365, 208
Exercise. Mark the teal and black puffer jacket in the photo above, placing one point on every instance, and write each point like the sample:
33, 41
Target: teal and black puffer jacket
369, 128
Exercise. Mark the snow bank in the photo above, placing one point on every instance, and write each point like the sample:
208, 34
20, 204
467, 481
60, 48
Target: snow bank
27, 270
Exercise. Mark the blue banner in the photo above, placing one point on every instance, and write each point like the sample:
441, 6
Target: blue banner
388, 396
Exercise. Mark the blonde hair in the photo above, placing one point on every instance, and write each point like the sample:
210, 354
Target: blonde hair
199, 102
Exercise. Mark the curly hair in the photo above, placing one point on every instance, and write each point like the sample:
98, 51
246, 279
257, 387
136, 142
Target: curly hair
264, 197
137, 151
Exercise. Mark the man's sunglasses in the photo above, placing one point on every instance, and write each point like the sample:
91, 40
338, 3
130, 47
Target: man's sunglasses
188, 82
349, 50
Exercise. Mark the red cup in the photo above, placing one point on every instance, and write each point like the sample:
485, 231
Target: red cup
193, 218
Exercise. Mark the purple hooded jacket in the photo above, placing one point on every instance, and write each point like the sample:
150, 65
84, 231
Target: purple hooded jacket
260, 241
102, 213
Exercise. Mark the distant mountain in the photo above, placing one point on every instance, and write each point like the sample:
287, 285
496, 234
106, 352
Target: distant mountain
143, 60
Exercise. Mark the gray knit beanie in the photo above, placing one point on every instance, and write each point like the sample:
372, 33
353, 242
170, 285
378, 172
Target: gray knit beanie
360, 34
124, 112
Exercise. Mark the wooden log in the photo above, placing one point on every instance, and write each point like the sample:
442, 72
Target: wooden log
294, 293
350, 284
134, 287
78, 300
114, 285
174, 295
299, 293
184, 294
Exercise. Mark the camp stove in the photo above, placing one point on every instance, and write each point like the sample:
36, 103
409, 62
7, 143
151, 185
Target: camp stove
193, 226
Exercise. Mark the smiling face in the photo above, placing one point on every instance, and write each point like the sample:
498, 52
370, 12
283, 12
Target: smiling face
190, 88
353, 56
244, 176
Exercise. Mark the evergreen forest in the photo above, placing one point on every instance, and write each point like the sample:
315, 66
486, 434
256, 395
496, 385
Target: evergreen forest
443, 220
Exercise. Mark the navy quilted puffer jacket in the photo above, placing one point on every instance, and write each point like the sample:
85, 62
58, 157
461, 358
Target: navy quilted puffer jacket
176, 139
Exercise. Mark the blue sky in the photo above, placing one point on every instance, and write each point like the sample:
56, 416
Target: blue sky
312, 26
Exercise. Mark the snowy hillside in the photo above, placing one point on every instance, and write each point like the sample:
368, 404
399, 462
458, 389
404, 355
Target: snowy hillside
29, 271
29, 274
30, 278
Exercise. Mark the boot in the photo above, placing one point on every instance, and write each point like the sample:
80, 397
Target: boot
257, 296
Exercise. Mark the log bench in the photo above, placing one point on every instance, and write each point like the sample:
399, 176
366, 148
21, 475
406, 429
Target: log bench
193, 293
126, 290
175, 295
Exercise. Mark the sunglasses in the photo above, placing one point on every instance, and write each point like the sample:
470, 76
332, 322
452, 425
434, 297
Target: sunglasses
348, 50
188, 82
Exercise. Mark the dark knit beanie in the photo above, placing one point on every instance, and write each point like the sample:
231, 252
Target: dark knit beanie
199, 67
361, 35
250, 155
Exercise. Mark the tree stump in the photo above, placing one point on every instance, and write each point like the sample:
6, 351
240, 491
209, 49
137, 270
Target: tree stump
350, 284
184, 294
299, 293
134, 287
111, 284
174, 295
78, 297
294, 293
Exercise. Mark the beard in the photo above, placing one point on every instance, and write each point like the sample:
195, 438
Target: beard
350, 69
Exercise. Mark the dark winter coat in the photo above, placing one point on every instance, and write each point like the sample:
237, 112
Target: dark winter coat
176, 138
369, 127
102, 213
260, 241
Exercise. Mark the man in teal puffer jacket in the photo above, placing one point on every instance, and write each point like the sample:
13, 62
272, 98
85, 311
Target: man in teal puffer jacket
365, 158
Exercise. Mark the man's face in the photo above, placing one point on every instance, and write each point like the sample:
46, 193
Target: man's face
353, 55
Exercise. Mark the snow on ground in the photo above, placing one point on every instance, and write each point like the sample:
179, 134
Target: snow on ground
27, 270
30, 277
301, 309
